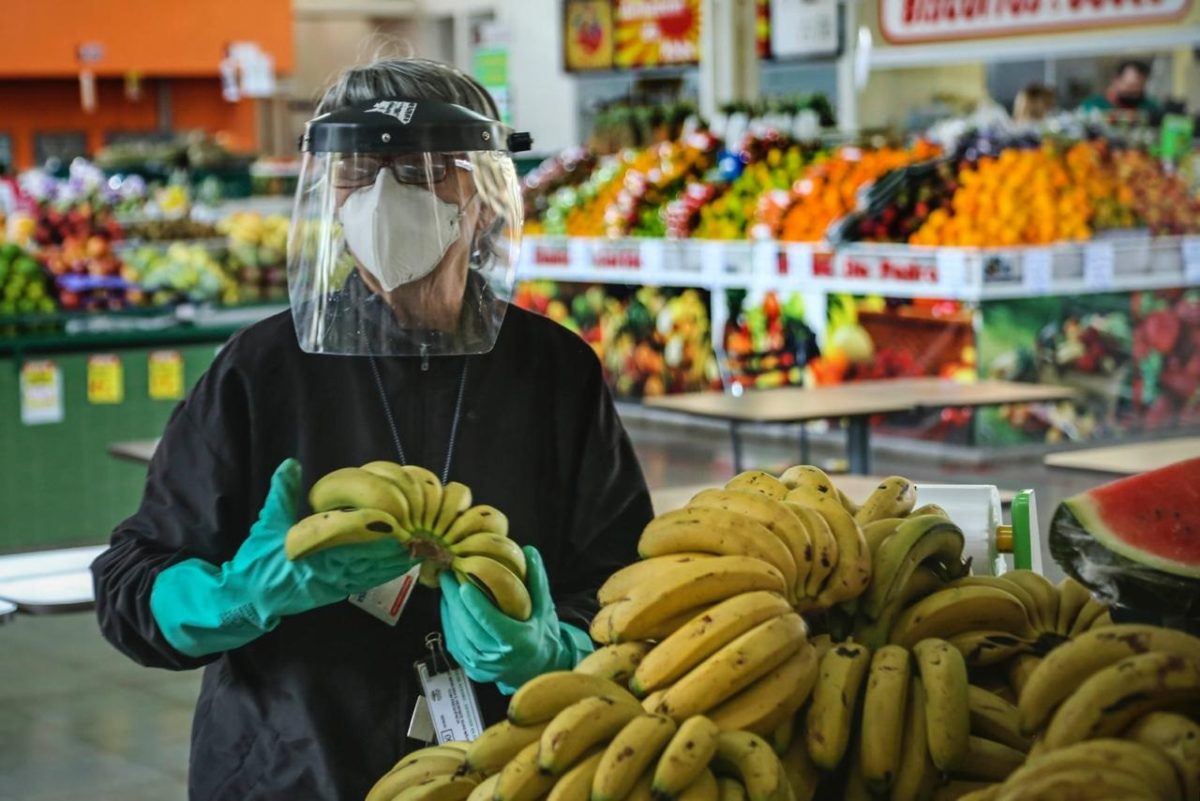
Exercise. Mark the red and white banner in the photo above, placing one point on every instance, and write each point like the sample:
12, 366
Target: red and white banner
918, 21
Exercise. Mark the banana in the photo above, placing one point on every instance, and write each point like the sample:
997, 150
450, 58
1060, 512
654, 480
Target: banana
1097, 782
355, 488
650, 702
520, 779
852, 573
875, 633
1065, 668
431, 492
947, 613
1109, 761
1103, 621
989, 760
855, 788
822, 643
1087, 616
764, 705
576, 783
832, 712
456, 499
339, 527
916, 540
641, 790
996, 582
716, 531
929, 509
1178, 738
498, 744
996, 719
688, 585
947, 709
541, 698
439, 788
580, 727
1072, 597
735, 666
807, 475
615, 662
781, 736
760, 482
883, 714
629, 755
798, 768
877, 531
486, 789
619, 585
503, 550
703, 789
824, 547
685, 757
1020, 668
775, 516
894, 497
499, 585
847, 503
477, 519
730, 790
703, 636
750, 758
916, 771
1119, 694
960, 790
984, 648
414, 498
412, 770
1044, 615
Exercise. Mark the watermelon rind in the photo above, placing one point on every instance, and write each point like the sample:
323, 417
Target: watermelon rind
1088, 518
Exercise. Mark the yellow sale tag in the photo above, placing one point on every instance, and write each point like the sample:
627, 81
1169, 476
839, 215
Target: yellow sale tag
105, 379
41, 393
166, 375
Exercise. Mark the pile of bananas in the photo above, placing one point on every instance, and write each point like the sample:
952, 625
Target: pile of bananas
437, 523
572, 736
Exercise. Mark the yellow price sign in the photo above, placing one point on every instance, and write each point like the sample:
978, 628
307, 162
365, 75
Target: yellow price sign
41, 393
166, 375
105, 379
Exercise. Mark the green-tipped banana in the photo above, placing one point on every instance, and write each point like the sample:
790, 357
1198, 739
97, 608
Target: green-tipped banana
916, 540
340, 527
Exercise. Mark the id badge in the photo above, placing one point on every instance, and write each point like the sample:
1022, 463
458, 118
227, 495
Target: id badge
449, 695
387, 601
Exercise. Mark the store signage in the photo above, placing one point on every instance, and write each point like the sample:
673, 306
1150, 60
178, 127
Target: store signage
871, 267
1037, 270
656, 33
617, 255
922, 21
105, 379
803, 28
800, 261
551, 254
41, 393
1098, 265
165, 370
1191, 259
588, 34
951, 268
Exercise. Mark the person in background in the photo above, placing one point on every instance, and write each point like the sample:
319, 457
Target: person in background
1033, 104
1126, 92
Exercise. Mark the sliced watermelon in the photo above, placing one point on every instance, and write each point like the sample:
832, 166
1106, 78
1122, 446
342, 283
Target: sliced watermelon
1135, 541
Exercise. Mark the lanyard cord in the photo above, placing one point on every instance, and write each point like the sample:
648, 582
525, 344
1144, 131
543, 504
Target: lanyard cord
391, 421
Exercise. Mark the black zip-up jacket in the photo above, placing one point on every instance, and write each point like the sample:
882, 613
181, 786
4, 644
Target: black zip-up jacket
319, 707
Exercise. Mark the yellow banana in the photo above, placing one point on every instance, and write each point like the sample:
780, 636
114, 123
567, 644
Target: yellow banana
1091, 783
996, 719
499, 585
781, 736
772, 514
716, 531
576, 783
916, 540
1121, 693
1109, 761
339, 527
641, 790
730, 789
764, 705
629, 755
520, 779
883, 714
431, 492
1103, 621
875, 633
498, 744
688, 585
703, 789
541, 698
685, 757
916, 771
946, 613
989, 760
704, 635
1091, 610
760, 482
833, 710
798, 768
852, 573
408, 486
807, 475
751, 759
505, 551
650, 702
734, 667
877, 531
855, 787
456, 499
996, 582
1072, 597
929, 509
1066, 667
1020, 668
962, 790
616, 662
479, 518
355, 488
579, 728
486, 789
894, 497
1178, 738
619, 585
439, 788
947, 708
984, 648
1044, 615
412, 770
824, 544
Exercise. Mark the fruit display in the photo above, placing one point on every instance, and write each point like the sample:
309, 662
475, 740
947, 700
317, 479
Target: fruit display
768, 343
257, 254
24, 288
436, 522
178, 273
1165, 385
654, 179
579, 210
1161, 201
563, 170
764, 165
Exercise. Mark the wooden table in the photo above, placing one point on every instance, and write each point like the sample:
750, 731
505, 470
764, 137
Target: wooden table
1134, 457
138, 450
941, 393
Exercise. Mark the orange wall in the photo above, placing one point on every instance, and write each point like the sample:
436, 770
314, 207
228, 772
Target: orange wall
153, 37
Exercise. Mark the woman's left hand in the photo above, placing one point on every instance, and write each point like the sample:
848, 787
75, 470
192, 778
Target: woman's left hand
492, 647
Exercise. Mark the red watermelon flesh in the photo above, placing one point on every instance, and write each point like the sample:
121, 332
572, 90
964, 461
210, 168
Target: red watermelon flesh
1152, 518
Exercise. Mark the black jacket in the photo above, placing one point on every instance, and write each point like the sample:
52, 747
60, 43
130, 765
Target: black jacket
319, 707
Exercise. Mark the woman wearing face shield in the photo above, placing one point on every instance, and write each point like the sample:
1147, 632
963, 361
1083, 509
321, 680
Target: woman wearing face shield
400, 346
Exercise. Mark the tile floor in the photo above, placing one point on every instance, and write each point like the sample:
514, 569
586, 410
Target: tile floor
78, 719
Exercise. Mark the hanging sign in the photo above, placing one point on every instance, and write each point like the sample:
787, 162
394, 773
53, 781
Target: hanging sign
588, 35
165, 368
921, 21
41, 393
656, 33
802, 28
105, 379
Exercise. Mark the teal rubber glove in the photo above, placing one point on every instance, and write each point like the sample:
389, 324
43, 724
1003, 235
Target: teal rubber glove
492, 647
203, 608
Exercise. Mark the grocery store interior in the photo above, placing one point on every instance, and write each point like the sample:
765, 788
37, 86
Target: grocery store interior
953, 241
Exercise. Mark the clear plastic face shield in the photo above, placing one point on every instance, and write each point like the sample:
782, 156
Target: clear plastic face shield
405, 232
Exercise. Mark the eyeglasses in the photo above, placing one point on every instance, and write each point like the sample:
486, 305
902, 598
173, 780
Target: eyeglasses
422, 169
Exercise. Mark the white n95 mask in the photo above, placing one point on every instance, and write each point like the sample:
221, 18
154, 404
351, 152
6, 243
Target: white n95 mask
399, 232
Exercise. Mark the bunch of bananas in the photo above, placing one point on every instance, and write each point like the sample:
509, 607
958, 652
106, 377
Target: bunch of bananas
437, 523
